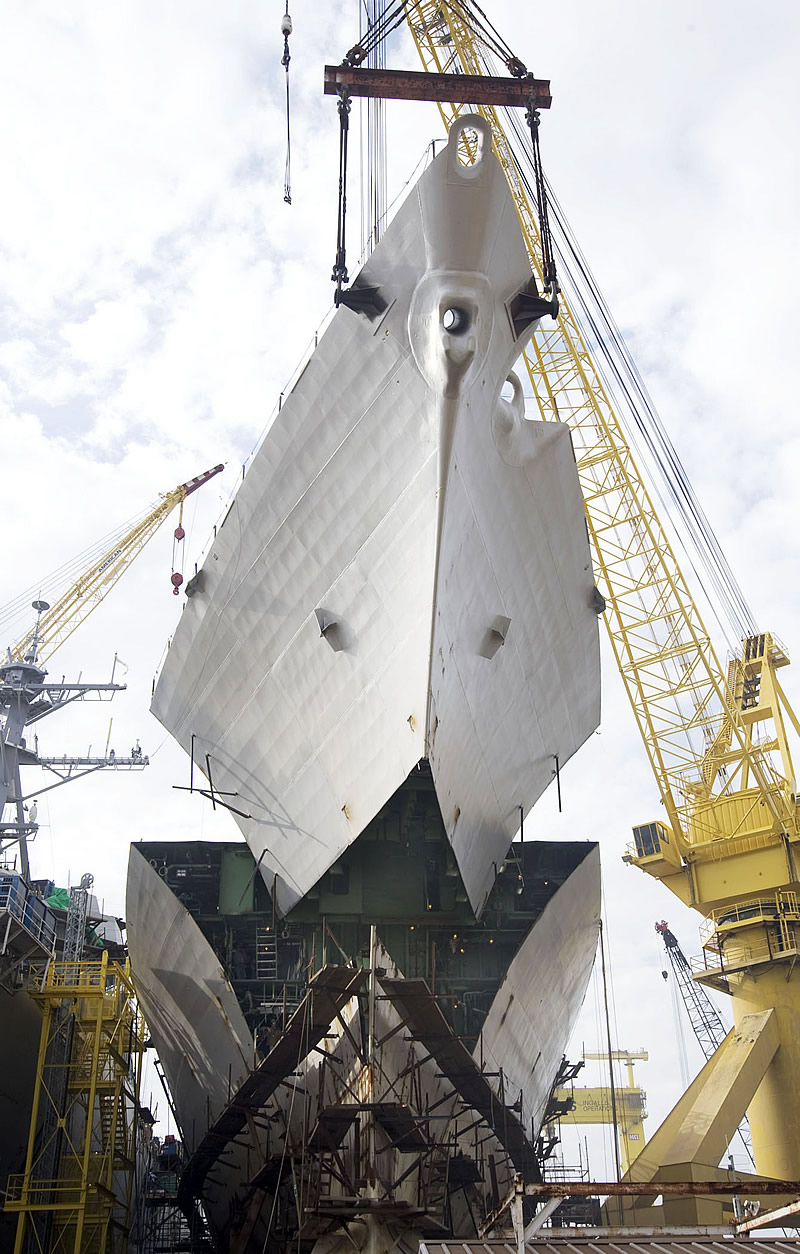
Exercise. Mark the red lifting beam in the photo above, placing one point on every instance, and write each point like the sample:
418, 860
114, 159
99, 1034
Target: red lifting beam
445, 88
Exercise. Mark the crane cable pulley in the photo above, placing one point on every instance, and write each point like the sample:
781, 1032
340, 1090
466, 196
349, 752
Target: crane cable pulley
485, 32
467, 11
286, 30
178, 536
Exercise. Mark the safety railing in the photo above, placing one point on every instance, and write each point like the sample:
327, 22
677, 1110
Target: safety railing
58, 1194
781, 910
28, 910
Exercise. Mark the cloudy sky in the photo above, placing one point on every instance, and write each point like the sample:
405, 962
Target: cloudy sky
156, 295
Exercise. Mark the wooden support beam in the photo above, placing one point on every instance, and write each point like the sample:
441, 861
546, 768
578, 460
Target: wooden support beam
445, 88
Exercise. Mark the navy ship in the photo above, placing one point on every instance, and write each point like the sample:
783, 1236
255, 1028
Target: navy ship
388, 652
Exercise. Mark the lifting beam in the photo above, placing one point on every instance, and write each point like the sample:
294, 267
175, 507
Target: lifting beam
474, 89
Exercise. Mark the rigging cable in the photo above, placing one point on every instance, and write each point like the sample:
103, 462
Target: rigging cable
373, 136
548, 259
339, 273
286, 30
486, 33
178, 536
650, 425
56, 583
610, 1054
393, 15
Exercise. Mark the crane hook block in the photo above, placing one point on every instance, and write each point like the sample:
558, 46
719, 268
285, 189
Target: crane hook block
179, 532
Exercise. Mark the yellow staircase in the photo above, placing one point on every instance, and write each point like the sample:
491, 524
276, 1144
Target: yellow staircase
76, 1191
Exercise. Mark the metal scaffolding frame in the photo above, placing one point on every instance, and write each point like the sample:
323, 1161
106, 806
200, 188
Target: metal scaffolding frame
75, 1194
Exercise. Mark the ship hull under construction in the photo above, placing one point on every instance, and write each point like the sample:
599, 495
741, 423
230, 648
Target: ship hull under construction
320, 1083
388, 654
404, 573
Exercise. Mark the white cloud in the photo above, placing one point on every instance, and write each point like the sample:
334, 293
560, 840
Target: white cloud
106, 340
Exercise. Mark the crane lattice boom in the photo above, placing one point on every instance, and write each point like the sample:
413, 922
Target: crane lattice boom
58, 622
703, 1015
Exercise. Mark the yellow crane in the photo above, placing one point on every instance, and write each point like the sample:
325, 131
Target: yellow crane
627, 1108
716, 738
56, 623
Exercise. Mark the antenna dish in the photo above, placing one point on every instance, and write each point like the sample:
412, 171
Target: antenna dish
40, 606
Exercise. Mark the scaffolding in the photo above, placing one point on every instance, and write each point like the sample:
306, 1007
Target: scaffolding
76, 1192
163, 1227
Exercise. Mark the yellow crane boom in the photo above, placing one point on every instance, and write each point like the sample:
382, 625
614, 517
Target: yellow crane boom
57, 622
716, 740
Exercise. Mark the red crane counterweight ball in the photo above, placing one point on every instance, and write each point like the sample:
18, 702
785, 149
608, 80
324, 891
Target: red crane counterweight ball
179, 532
176, 579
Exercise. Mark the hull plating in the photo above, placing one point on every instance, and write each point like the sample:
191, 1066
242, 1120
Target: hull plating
404, 573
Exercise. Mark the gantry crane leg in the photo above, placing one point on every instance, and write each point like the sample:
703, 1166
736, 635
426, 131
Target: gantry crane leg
695, 1135
774, 1111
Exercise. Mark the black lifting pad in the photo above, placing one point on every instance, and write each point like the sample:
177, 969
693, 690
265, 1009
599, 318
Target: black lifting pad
366, 300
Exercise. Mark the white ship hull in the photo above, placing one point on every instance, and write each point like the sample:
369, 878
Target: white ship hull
391, 647
203, 1040
405, 572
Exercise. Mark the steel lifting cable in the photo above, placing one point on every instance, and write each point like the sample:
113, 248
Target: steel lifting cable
339, 274
485, 32
661, 448
178, 536
286, 30
548, 257
56, 582
373, 170
393, 15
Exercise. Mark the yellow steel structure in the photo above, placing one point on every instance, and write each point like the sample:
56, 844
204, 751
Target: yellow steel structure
716, 740
594, 1105
59, 621
75, 1194
697, 1132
